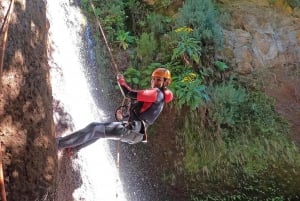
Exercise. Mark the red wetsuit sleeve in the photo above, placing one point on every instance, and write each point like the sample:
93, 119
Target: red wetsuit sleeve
149, 95
128, 92
122, 82
168, 95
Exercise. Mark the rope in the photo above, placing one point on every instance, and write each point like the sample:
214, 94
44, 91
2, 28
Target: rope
116, 69
2, 185
6, 19
105, 40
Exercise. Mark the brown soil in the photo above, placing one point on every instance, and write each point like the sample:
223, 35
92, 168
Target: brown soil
27, 130
284, 85
26, 121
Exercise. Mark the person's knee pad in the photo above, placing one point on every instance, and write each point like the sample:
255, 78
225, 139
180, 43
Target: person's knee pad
132, 137
99, 131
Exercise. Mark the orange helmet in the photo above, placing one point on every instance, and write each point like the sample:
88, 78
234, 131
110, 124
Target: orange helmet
163, 72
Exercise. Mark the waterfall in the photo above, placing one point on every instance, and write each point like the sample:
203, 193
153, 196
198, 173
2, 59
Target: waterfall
71, 60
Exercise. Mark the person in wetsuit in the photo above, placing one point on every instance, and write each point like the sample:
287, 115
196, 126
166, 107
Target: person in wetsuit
145, 107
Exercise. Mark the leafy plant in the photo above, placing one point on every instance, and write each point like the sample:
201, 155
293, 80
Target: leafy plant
263, 119
227, 100
157, 22
250, 161
221, 66
187, 48
136, 12
189, 90
140, 78
201, 16
124, 39
146, 74
132, 76
112, 16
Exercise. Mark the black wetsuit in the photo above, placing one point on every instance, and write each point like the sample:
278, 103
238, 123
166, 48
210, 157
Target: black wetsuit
146, 105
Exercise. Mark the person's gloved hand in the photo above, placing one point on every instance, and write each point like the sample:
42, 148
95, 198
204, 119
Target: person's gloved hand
122, 82
120, 76
119, 114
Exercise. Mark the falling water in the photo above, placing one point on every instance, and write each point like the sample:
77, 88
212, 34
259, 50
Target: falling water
71, 88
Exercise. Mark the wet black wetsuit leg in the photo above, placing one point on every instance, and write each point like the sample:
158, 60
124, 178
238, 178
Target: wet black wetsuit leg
90, 134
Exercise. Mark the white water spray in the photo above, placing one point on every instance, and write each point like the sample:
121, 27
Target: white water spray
69, 85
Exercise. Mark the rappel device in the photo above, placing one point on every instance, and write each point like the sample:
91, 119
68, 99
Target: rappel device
122, 113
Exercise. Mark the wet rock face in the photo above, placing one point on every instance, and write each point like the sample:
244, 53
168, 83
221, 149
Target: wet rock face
260, 36
262, 41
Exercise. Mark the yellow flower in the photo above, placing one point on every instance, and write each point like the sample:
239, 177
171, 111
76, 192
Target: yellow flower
190, 77
184, 29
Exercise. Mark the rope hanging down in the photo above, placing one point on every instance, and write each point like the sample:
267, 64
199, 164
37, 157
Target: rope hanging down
6, 22
126, 101
5, 26
3, 193
105, 40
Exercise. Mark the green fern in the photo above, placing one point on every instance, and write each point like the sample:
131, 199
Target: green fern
187, 46
202, 17
124, 39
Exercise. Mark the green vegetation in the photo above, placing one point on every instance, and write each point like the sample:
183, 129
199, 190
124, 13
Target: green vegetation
245, 146
201, 16
187, 46
235, 145
294, 3
146, 48
189, 89
124, 39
